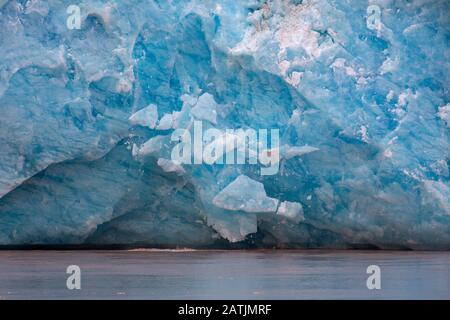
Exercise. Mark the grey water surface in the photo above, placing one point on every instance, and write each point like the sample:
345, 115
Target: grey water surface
191, 274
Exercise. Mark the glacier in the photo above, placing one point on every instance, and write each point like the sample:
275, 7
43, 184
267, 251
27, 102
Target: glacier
363, 115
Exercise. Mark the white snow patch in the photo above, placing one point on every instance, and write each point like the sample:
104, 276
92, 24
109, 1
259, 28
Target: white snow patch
339, 63
390, 95
388, 65
364, 134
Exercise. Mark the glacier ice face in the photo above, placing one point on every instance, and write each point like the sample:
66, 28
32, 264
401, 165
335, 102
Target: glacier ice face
87, 117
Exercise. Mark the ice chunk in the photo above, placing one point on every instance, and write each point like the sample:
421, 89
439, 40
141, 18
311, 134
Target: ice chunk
166, 122
182, 118
291, 210
245, 194
152, 146
289, 152
205, 108
147, 117
170, 166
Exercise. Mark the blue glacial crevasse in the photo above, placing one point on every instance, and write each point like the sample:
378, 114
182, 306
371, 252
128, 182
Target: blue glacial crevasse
87, 118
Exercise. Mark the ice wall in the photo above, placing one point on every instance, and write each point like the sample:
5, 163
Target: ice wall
363, 114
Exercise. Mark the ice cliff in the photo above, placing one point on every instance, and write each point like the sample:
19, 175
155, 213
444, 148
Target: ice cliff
363, 115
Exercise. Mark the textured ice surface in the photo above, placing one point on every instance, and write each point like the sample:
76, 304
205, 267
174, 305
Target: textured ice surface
205, 108
147, 117
87, 116
292, 210
245, 194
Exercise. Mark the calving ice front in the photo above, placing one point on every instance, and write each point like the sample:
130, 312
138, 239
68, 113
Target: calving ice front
230, 146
